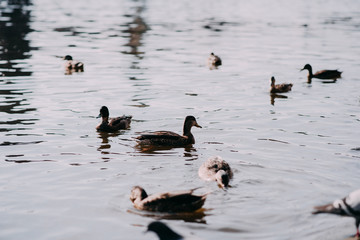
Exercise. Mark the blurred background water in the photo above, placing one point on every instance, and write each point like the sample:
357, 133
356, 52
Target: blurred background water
60, 179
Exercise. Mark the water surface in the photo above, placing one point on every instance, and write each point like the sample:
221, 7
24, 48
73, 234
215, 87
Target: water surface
60, 179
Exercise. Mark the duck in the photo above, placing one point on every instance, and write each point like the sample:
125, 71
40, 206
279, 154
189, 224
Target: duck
216, 169
163, 231
112, 124
214, 61
279, 88
348, 206
168, 138
323, 74
73, 66
173, 202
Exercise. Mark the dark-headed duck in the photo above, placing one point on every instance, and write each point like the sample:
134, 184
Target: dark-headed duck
167, 138
112, 124
184, 201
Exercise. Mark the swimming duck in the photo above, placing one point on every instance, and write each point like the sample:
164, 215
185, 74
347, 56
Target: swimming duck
216, 169
183, 201
112, 124
72, 65
323, 74
213, 60
279, 88
163, 231
167, 138
348, 206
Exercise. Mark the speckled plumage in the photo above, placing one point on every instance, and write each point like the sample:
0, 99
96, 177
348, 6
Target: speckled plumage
72, 65
216, 169
348, 206
167, 138
112, 124
279, 88
214, 61
183, 201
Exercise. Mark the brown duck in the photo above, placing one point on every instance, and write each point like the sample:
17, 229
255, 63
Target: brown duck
279, 88
323, 74
112, 124
167, 138
183, 201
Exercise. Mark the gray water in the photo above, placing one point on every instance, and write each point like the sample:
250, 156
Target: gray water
60, 179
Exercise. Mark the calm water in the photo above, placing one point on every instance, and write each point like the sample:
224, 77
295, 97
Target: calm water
60, 179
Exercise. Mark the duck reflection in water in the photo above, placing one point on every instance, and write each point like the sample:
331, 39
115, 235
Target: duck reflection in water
274, 95
105, 143
165, 140
275, 89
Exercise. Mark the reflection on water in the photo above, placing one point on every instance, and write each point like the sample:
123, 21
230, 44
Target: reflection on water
136, 28
197, 216
148, 58
274, 95
14, 26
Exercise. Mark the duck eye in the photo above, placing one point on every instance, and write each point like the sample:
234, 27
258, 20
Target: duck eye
215, 166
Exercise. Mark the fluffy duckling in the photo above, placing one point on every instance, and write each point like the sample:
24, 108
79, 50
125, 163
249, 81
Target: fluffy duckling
173, 202
348, 206
112, 124
279, 88
167, 138
323, 74
73, 66
214, 61
163, 231
216, 169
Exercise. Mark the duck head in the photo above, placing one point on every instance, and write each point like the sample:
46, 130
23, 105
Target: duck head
307, 67
191, 121
137, 194
222, 178
163, 231
68, 58
104, 112
272, 81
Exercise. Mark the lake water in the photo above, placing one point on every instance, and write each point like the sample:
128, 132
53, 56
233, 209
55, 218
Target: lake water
60, 179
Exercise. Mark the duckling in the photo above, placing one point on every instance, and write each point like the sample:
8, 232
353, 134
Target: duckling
163, 231
279, 88
183, 201
73, 66
216, 169
167, 138
323, 74
112, 124
214, 61
348, 206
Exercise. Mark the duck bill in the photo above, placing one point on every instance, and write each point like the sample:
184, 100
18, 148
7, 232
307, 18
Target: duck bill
99, 116
302, 69
197, 125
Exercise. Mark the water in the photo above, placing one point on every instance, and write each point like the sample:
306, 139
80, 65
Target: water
60, 179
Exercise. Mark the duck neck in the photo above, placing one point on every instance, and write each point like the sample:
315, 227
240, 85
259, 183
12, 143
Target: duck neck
310, 72
187, 129
105, 119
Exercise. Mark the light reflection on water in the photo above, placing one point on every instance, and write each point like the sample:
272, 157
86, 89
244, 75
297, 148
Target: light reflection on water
289, 152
